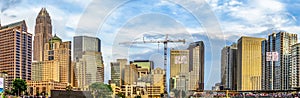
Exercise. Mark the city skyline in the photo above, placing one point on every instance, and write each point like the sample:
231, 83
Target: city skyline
65, 27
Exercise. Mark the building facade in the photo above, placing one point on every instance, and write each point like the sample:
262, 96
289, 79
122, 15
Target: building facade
196, 66
276, 74
88, 59
115, 73
295, 67
249, 63
15, 51
43, 33
228, 67
85, 43
89, 69
130, 74
58, 53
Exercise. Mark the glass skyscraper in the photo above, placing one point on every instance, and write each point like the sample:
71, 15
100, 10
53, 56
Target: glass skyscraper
276, 74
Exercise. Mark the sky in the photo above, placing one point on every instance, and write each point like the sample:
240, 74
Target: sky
216, 22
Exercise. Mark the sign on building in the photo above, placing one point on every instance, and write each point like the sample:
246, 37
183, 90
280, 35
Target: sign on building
272, 56
1, 85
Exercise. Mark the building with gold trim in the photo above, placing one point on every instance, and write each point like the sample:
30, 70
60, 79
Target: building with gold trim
249, 63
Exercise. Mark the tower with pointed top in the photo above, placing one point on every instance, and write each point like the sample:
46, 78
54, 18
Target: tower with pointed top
43, 32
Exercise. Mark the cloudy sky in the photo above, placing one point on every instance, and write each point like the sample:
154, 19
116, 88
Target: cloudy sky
216, 22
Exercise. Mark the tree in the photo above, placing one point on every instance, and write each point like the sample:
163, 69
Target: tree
121, 95
69, 88
19, 86
101, 90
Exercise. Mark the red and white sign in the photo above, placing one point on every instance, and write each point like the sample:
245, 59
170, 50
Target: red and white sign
272, 56
1, 82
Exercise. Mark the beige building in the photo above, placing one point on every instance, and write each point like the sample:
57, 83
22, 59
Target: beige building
158, 80
43, 33
179, 62
45, 87
89, 69
130, 74
249, 63
58, 53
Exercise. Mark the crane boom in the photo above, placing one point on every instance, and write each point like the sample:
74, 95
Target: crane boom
165, 42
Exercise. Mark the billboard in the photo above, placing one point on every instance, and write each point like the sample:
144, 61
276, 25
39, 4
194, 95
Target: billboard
1, 85
272, 56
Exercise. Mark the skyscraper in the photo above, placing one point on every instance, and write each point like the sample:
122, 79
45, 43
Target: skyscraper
295, 66
85, 43
196, 66
179, 69
115, 73
228, 67
89, 69
89, 61
277, 77
58, 53
43, 32
15, 51
249, 63
179, 62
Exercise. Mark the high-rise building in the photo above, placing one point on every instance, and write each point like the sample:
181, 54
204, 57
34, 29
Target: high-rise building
123, 63
85, 43
196, 66
58, 53
276, 73
144, 67
228, 67
179, 69
89, 61
115, 73
295, 66
179, 62
130, 74
249, 63
89, 69
43, 33
158, 78
15, 51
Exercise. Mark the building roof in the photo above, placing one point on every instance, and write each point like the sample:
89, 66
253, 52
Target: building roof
55, 39
13, 25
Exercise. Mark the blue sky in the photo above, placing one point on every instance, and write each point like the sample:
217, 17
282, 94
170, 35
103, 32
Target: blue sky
216, 22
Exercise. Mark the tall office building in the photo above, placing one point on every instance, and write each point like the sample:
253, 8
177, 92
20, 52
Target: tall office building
58, 53
15, 51
278, 79
196, 66
249, 63
89, 61
228, 67
85, 43
43, 33
130, 74
179, 69
115, 73
295, 66
54, 71
179, 62
123, 63
89, 69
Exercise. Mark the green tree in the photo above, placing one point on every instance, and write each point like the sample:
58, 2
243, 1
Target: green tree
19, 86
121, 95
101, 90
69, 88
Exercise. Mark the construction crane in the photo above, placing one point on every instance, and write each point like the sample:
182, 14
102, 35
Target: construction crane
165, 42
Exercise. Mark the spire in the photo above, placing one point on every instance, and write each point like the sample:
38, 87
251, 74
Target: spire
43, 12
